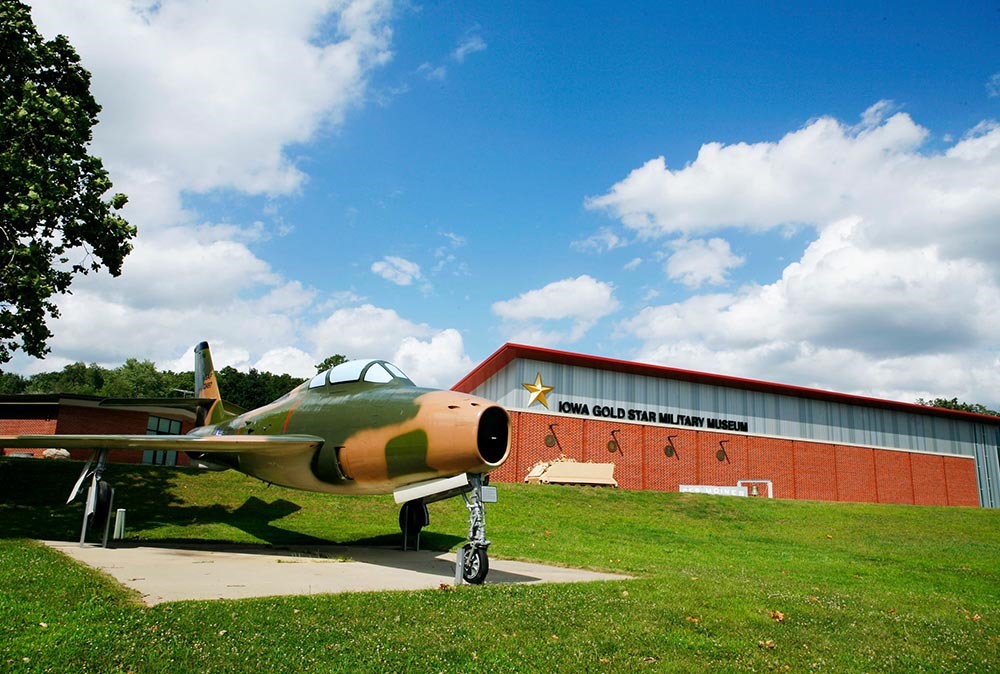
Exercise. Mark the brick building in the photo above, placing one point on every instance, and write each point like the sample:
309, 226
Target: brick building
44, 414
664, 427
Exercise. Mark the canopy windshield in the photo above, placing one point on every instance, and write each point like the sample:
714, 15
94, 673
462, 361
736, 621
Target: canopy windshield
371, 371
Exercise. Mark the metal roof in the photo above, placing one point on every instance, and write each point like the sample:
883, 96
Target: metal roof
184, 407
509, 352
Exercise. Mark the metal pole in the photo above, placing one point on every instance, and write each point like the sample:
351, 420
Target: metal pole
459, 565
107, 520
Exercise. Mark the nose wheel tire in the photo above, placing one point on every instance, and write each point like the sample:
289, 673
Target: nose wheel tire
477, 564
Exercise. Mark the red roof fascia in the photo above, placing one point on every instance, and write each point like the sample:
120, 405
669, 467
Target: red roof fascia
510, 352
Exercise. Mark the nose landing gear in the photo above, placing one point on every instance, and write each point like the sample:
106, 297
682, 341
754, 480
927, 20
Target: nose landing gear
473, 563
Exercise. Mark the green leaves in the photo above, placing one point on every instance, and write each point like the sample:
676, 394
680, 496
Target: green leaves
52, 207
956, 404
141, 379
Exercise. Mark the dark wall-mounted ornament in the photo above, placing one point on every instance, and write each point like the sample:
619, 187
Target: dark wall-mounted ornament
669, 449
551, 440
613, 444
721, 454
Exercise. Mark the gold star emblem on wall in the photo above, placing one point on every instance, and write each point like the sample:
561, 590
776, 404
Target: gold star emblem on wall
538, 391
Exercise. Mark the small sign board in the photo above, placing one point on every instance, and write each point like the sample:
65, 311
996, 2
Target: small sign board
713, 489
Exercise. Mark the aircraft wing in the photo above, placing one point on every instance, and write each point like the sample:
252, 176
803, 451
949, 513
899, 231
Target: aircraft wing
244, 444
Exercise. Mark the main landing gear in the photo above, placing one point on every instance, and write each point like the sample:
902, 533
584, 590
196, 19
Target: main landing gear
413, 517
100, 497
474, 562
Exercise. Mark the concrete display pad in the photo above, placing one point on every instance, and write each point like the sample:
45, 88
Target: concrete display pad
173, 573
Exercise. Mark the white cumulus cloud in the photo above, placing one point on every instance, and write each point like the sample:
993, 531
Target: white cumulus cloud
820, 173
575, 303
431, 357
469, 45
207, 94
993, 85
397, 270
697, 261
895, 296
599, 242
439, 361
287, 360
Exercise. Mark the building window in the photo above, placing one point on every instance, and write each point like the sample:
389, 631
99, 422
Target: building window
161, 426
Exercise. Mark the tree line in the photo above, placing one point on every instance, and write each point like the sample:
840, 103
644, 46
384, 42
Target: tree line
956, 404
141, 379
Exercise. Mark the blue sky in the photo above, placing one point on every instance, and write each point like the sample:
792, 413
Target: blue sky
795, 193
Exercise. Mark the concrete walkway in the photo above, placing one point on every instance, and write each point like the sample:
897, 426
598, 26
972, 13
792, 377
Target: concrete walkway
164, 573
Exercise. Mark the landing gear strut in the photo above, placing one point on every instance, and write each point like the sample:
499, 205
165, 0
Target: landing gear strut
476, 563
100, 498
472, 563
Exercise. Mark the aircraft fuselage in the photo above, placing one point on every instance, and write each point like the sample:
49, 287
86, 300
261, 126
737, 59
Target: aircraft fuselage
375, 437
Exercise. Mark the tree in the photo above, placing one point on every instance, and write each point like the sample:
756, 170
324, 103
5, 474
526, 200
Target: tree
956, 404
254, 388
135, 379
54, 222
12, 384
330, 361
78, 378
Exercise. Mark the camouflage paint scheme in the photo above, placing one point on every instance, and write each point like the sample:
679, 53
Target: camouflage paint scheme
354, 437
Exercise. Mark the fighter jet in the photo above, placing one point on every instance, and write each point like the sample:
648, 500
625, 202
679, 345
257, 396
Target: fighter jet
361, 427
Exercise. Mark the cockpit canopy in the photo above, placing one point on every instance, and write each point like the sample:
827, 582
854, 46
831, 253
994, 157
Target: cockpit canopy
370, 371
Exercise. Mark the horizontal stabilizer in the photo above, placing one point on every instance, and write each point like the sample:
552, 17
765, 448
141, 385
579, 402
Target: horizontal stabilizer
243, 444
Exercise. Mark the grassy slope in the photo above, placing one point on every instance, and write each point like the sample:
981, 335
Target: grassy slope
860, 587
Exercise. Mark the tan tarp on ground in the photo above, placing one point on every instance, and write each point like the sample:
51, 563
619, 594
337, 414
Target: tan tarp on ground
572, 472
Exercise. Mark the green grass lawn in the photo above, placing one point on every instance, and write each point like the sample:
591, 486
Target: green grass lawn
721, 584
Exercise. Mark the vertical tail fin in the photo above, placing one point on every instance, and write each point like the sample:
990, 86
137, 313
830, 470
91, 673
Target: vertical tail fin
205, 383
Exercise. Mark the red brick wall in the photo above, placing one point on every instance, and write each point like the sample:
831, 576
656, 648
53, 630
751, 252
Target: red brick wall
40, 425
961, 478
667, 473
797, 469
86, 420
893, 477
856, 474
813, 476
772, 459
929, 484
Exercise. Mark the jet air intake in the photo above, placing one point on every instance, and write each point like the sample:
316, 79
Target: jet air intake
493, 438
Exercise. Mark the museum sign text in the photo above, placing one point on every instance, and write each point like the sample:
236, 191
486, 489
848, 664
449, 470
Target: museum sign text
652, 416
